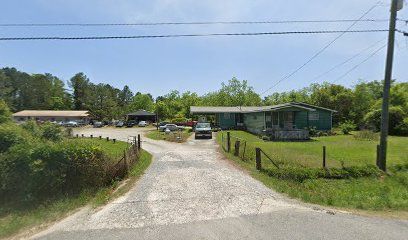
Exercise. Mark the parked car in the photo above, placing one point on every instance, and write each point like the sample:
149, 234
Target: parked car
203, 130
120, 124
71, 124
97, 124
130, 123
142, 124
171, 127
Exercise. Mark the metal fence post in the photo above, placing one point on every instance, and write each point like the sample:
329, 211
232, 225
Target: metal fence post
100, 137
324, 156
77, 136
236, 150
228, 141
258, 159
91, 136
82, 135
107, 139
378, 155
139, 144
114, 140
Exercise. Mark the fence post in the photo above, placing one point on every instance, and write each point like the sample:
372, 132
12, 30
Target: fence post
77, 136
100, 137
243, 152
258, 159
324, 156
114, 140
139, 145
228, 141
125, 160
107, 139
91, 136
236, 150
378, 155
82, 135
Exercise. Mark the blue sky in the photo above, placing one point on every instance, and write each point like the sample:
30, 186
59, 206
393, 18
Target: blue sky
196, 64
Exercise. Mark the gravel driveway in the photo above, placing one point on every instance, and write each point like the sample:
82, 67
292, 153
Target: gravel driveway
191, 192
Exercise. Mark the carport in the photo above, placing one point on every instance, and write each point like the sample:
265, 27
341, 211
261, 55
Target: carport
141, 115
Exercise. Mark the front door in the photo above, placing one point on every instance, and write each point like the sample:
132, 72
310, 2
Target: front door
288, 120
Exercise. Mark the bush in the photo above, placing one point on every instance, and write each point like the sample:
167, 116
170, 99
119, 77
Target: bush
33, 172
372, 119
299, 174
347, 126
51, 132
11, 134
32, 127
366, 135
5, 114
402, 128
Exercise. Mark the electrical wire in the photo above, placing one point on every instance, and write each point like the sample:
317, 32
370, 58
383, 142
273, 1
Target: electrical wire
346, 61
361, 63
321, 50
183, 23
191, 35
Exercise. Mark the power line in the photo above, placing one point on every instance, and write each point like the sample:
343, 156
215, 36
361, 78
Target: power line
191, 35
358, 65
346, 61
183, 23
320, 51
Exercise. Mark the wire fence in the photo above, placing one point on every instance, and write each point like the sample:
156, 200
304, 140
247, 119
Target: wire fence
335, 152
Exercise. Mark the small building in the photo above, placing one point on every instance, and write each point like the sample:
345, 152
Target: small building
141, 115
51, 116
288, 121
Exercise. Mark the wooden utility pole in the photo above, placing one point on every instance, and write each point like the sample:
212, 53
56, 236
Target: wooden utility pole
395, 6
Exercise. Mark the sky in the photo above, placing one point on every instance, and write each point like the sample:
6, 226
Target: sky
199, 64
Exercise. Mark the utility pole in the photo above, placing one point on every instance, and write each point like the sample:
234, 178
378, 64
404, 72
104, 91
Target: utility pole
395, 6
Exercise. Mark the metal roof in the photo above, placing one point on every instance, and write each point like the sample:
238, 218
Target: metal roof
50, 113
212, 110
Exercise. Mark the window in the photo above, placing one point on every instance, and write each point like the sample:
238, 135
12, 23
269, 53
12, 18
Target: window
227, 116
313, 116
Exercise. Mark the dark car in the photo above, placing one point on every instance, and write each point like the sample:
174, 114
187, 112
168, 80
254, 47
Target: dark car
120, 124
203, 130
130, 123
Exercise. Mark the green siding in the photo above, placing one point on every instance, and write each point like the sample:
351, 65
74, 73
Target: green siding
255, 122
325, 121
301, 121
224, 121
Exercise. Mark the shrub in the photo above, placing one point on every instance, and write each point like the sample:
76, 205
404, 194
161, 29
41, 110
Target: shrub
372, 119
366, 135
347, 126
402, 128
11, 134
5, 114
32, 127
51, 132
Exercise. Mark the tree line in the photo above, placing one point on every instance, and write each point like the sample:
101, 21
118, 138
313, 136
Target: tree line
360, 104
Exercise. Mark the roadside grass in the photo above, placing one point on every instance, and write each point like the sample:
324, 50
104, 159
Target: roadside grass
114, 150
181, 136
15, 220
385, 194
341, 150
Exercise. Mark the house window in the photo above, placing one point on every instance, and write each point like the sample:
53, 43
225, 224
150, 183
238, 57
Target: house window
227, 116
313, 116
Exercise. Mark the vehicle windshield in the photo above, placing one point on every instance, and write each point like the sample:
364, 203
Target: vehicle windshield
203, 125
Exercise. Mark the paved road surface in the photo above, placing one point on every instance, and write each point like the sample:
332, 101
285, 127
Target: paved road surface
191, 192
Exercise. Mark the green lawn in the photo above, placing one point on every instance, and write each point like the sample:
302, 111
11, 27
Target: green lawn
13, 221
341, 149
388, 193
114, 150
171, 137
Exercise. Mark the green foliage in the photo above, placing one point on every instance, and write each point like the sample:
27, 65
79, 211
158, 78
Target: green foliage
5, 114
402, 128
301, 174
52, 132
11, 134
396, 117
32, 127
347, 126
366, 135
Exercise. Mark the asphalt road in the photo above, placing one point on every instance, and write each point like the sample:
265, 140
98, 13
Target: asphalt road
191, 192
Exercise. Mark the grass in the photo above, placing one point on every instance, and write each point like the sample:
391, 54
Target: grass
17, 220
114, 150
341, 150
385, 194
171, 137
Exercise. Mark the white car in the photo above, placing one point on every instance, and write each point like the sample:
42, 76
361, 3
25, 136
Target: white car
142, 124
171, 127
71, 124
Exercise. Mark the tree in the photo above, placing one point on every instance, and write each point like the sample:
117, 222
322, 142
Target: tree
80, 85
5, 114
142, 101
